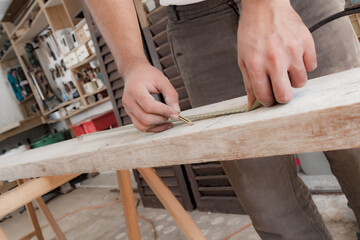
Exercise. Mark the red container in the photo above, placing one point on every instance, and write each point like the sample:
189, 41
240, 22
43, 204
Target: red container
99, 123
78, 129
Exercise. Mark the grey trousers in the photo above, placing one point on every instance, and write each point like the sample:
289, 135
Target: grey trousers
203, 41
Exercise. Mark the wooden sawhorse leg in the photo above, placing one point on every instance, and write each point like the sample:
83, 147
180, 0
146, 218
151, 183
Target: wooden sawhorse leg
50, 218
34, 220
32, 215
128, 202
29, 191
2, 235
171, 204
47, 214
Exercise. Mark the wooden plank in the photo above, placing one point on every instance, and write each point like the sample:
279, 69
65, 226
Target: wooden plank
167, 61
159, 26
123, 113
30, 191
58, 17
117, 84
151, 48
128, 202
161, 38
141, 13
177, 82
323, 115
101, 41
182, 92
171, 204
119, 103
164, 50
119, 93
174, 190
111, 67
157, 14
113, 76
171, 72
185, 104
108, 58
126, 120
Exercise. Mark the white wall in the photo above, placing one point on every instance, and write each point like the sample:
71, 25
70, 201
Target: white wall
9, 109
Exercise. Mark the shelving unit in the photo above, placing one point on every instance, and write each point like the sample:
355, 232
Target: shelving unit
9, 55
79, 110
54, 15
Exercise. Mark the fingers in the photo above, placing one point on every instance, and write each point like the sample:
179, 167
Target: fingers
170, 95
247, 83
150, 105
147, 119
149, 128
309, 57
260, 83
160, 128
280, 82
297, 74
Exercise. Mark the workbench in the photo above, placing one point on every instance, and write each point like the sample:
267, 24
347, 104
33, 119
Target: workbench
323, 115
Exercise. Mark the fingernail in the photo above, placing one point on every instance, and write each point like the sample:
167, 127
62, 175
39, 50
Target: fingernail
314, 66
174, 117
177, 107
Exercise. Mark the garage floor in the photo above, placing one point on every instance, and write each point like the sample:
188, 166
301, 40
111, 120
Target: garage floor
108, 222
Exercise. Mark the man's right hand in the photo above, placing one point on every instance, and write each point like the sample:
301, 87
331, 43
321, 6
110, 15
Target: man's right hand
146, 113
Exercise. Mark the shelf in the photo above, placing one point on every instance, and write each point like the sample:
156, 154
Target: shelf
37, 26
93, 93
79, 110
89, 59
52, 3
25, 125
9, 55
61, 105
24, 18
27, 98
76, 48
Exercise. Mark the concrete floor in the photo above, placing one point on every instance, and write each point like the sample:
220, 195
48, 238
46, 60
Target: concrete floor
108, 223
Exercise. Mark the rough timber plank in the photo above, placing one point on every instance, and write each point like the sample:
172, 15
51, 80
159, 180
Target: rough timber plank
324, 115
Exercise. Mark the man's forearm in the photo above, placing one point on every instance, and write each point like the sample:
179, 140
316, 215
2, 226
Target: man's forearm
119, 26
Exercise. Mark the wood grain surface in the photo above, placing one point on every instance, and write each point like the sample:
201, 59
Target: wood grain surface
324, 115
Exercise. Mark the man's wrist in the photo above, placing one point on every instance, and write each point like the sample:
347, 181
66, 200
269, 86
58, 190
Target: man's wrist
254, 5
131, 64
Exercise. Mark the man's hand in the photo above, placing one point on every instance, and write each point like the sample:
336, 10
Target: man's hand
275, 50
146, 113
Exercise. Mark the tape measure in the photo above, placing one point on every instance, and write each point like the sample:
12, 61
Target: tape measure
219, 113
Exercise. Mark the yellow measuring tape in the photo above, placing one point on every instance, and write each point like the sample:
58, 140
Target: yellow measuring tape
189, 119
